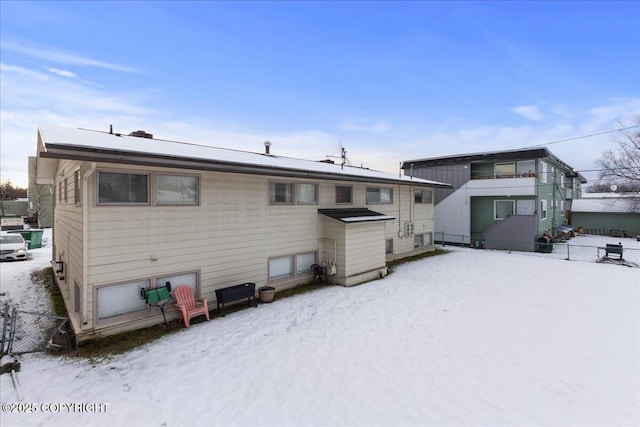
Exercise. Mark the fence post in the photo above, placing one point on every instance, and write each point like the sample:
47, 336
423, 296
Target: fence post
568, 258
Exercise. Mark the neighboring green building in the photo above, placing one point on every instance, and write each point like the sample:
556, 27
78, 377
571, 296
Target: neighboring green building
506, 199
608, 213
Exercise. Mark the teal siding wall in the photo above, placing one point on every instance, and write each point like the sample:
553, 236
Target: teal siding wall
629, 222
553, 192
482, 212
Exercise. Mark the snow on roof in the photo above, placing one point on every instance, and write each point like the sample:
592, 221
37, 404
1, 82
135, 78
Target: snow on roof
91, 141
603, 205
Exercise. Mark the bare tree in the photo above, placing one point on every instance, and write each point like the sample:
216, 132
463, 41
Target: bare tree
622, 166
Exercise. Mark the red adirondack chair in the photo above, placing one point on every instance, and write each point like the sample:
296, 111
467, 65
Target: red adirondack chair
189, 306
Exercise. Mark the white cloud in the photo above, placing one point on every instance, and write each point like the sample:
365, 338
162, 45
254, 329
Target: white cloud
529, 112
61, 57
63, 73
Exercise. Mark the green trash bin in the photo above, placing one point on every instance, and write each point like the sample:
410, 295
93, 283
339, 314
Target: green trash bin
32, 236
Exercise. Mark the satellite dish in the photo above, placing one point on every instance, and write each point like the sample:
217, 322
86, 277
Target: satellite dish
613, 187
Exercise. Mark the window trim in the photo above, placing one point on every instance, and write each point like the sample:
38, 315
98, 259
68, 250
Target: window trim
544, 209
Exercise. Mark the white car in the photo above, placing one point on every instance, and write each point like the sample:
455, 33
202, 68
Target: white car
12, 247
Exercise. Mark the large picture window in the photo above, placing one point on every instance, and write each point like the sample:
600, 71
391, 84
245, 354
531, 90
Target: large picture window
177, 190
379, 195
123, 188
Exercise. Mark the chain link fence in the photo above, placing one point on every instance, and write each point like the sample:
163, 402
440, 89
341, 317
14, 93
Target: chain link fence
29, 332
574, 249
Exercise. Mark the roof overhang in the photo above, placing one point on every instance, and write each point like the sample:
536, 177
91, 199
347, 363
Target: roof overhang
92, 154
354, 215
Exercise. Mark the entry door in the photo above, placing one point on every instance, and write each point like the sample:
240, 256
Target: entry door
525, 207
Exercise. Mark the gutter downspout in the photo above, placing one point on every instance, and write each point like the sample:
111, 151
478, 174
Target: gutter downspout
85, 243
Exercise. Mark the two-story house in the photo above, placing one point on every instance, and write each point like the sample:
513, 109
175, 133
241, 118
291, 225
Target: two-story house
500, 199
133, 212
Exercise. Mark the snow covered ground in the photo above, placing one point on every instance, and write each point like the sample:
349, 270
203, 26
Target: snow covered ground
469, 338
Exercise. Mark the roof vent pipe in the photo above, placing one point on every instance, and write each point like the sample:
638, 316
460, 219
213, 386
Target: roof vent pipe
267, 144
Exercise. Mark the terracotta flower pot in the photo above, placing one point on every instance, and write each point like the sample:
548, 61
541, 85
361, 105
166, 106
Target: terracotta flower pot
266, 293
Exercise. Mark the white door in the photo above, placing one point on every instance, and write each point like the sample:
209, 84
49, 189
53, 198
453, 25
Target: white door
525, 207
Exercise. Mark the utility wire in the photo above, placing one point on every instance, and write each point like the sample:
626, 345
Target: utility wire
584, 136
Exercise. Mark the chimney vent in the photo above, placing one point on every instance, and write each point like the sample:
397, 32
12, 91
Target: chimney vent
141, 134
267, 145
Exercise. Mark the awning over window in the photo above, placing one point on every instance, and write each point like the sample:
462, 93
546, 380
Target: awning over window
354, 215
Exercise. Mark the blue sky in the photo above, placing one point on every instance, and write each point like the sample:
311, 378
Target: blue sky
390, 81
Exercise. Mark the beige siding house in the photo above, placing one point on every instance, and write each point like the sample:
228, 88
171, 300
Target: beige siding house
134, 212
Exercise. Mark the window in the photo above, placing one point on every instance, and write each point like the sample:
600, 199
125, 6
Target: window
418, 241
504, 170
543, 209
76, 187
280, 193
60, 191
121, 299
66, 188
388, 246
281, 267
307, 193
304, 262
543, 172
561, 180
177, 190
526, 168
562, 207
119, 188
343, 194
503, 208
423, 196
188, 279
380, 195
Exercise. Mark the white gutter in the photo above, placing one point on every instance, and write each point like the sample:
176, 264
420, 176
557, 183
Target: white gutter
85, 243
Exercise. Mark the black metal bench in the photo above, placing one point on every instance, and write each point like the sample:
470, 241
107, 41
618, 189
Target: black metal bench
235, 293
613, 249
